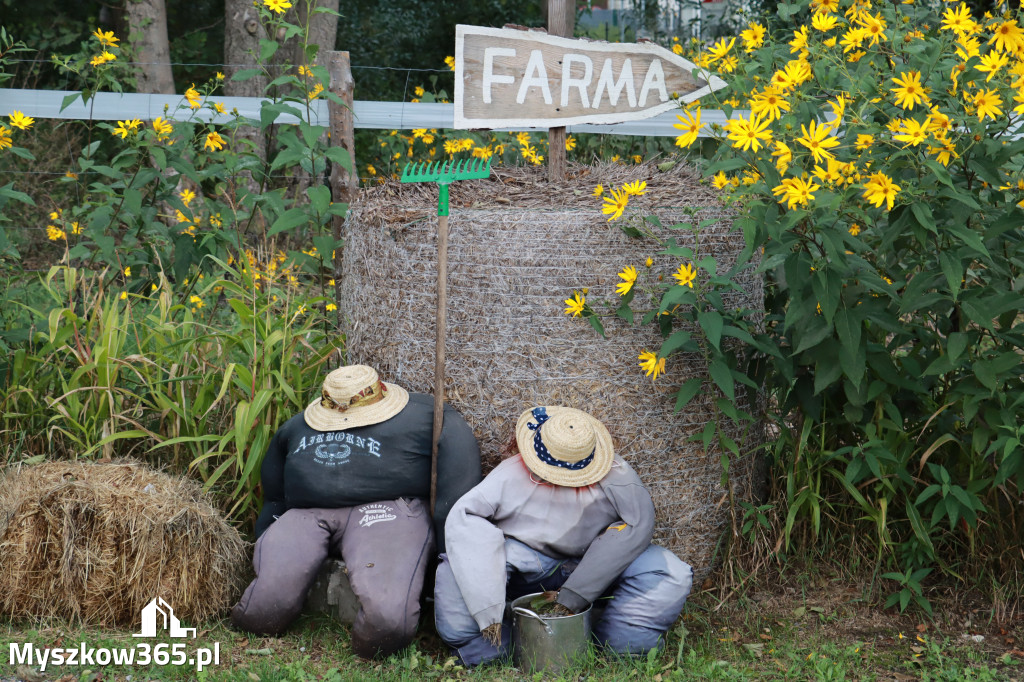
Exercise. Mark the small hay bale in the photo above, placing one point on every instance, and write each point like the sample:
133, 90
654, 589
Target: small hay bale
518, 247
94, 543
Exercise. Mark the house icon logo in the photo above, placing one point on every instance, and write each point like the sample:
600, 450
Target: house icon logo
158, 611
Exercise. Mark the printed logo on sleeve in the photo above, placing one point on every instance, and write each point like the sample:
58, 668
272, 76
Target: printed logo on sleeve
372, 513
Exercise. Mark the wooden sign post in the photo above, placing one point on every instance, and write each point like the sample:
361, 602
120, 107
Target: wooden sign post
511, 78
561, 22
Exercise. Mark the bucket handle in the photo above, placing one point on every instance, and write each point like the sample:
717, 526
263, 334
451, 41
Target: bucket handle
527, 612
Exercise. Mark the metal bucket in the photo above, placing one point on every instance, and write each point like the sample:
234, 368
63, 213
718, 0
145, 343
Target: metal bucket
547, 643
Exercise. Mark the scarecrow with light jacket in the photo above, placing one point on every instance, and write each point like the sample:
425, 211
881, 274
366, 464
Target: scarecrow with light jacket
348, 478
568, 514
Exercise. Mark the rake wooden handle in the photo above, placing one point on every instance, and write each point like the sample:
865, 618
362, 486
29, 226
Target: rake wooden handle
441, 326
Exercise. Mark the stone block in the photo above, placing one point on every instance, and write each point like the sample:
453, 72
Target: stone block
331, 593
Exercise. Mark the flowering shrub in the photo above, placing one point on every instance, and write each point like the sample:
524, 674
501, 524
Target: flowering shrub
877, 170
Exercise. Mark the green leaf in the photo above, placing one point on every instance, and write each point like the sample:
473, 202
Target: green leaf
267, 49
686, 392
955, 345
340, 156
291, 218
968, 237
245, 74
678, 340
953, 271
722, 376
711, 322
924, 216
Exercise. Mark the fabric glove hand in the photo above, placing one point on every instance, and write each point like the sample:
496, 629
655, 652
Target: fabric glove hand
492, 633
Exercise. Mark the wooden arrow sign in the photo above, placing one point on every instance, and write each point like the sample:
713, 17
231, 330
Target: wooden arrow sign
509, 77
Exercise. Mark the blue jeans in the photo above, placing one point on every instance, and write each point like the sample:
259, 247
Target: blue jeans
642, 603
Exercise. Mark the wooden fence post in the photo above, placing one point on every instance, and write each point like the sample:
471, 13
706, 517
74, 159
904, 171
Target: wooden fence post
561, 22
344, 182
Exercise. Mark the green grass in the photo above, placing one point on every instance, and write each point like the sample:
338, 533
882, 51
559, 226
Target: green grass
741, 640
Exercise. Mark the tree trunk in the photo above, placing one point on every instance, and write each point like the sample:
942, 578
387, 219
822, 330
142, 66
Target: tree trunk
323, 30
147, 28
242, 33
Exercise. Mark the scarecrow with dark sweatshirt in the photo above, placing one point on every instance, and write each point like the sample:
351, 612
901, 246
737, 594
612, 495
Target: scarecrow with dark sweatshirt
348, 478
565, 514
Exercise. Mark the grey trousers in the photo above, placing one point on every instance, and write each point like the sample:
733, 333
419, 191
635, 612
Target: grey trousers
385, 546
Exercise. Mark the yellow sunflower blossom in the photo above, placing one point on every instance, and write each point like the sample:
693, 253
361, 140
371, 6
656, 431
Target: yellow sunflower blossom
193, 97
576, 304
277, 6
615, 204
795, 192
214, 142
651, 364
599, 190
864, 141
162, 128
690, 127
769, 103
818, 141
1008, 37
20, 120
799, 41
685, 274
783, 154
749, 134
636, 188
720, 180
909, 91
874, 26
992, 63
628, 276
106, 38
881, 189
187, 196
753, 36
824, 22
987, 103
102, 58
53, 233
911, 132
960, 21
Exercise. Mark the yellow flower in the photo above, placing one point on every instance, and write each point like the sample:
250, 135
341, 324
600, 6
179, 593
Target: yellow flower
53, 233
128, 271
122, 129
690, 127
752, 134
76, 228
909, 91
575, 304
570, 143
753, 36
187, 196
629, 275
450, 61
195, 301
220, 76
20, 120
967, 47
855, 229
162, 128
720, 49
784, 154
1008, 37
315, 92
796, 72
483, 152
214, 141
991, 63
5, 137
522, 137
795, 192
830, 42
106, 38
799, 41
824, 22
419, 91
615, 204
987, 103
944, 153
649, 262
880, 188
720, 180
193, 97
651, 364
635, 189
599, 190
677, 48
103, 58
911, 132
853, 39
330, 306
959, 21
874, 26
218, 107
124, 295
685, 274
277, 6
825, 6
864, 141
769, 103
817, 139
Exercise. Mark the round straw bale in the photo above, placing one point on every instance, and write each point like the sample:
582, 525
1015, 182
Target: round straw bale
94, 543
519, 246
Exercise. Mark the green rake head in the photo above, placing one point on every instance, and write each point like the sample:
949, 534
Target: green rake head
444, 173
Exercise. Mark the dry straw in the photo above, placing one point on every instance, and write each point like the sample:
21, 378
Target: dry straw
520, 246
94, 543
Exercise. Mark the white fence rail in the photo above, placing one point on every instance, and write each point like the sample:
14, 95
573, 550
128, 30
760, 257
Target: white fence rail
113, 106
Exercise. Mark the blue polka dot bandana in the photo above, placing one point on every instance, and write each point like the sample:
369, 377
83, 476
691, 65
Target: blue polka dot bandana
541, 415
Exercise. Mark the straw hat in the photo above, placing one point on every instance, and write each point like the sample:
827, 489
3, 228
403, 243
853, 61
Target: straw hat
564, 446
354, 396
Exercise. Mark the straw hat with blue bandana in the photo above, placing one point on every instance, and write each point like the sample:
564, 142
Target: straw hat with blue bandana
564, 446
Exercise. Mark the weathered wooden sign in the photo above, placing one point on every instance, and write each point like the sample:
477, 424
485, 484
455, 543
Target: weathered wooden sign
509, 77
